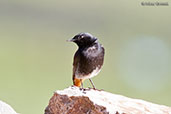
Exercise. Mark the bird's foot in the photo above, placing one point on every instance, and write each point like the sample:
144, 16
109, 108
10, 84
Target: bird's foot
95, 89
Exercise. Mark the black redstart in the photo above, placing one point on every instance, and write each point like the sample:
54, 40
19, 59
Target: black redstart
88, 59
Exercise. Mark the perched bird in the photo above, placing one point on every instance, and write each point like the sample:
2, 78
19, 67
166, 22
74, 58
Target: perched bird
88, 59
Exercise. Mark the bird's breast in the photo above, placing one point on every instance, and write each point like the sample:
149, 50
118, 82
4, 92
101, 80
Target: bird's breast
90, 62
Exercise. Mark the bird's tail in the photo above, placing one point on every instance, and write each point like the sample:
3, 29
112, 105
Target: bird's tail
77, 82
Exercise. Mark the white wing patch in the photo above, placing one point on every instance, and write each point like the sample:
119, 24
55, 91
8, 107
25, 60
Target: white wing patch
92, 51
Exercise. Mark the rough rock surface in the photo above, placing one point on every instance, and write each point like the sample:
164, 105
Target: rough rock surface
74, 100
62, 104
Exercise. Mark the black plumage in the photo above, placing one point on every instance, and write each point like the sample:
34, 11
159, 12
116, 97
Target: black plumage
88, 59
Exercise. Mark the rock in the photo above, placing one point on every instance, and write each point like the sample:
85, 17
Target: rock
6, 109
74, 100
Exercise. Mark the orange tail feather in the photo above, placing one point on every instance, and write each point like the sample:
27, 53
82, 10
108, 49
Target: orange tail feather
77, 82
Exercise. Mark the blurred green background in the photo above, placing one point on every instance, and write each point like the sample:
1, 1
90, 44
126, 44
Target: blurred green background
36, 60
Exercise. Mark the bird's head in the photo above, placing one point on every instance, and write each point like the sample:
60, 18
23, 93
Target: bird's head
83, 39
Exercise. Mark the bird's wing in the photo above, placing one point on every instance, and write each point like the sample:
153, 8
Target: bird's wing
75, 63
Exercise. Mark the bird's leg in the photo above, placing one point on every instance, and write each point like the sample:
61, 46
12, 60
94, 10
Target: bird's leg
81, 84
92, 84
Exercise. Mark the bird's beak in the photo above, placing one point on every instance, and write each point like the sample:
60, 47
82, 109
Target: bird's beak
70, 40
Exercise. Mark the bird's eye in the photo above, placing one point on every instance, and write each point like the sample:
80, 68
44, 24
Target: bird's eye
81, 36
